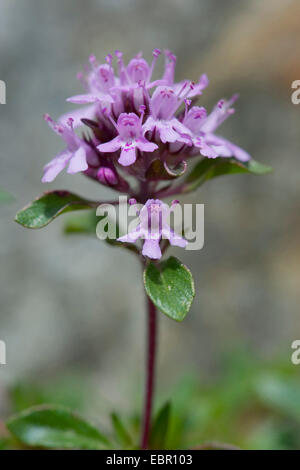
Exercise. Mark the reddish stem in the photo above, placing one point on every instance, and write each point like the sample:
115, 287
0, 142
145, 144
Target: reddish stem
150, 372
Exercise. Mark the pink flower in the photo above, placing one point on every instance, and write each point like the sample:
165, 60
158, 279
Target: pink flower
74, 155
138, 70
163, 104
153, 226
98, 82
136, 78
203, 126
130, 138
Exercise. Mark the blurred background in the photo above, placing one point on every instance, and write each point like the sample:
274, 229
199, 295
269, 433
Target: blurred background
72, 308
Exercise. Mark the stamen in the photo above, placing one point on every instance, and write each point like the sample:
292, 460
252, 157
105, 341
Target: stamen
47, 117
170, 56
182, 98
182, 88
70, 122
109, 116
142, 84
187, 103
170, 62
93, 61
121, 66
142, 110
155, 53
233, 99
109, 59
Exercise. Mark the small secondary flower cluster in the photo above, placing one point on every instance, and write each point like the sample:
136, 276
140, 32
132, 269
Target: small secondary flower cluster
133, 121
153, 226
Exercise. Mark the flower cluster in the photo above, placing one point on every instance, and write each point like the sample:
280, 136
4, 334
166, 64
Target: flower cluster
131, 125
133, 121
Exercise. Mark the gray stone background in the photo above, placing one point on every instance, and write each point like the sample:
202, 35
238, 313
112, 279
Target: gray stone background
76, 304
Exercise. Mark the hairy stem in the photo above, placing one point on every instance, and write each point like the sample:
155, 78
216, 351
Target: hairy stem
150, 372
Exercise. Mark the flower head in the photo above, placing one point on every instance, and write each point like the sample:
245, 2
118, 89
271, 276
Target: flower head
154, 225
134, 118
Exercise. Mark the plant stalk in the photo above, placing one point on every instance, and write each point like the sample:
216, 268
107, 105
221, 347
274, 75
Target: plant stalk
150, 373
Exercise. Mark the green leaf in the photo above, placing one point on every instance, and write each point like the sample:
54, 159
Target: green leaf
170, 286
160, 428
55, 427
47, 207
209, 168
122, 435
82, 224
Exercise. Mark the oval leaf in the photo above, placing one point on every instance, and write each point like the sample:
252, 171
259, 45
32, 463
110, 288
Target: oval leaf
170, 286
47, 207
55, 427
209, 168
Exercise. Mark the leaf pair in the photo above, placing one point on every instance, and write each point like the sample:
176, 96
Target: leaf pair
169, 284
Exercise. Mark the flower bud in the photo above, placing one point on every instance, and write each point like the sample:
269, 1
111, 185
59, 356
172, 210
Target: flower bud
107, 176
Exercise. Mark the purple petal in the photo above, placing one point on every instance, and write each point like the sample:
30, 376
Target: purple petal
78, 161
111, 146
90, 98
174, 238
225, 148
205, 149
128, 155
83, 99
53, 168
152, 249
239, 153
145, 146
149, 125
167, 133
132, 236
